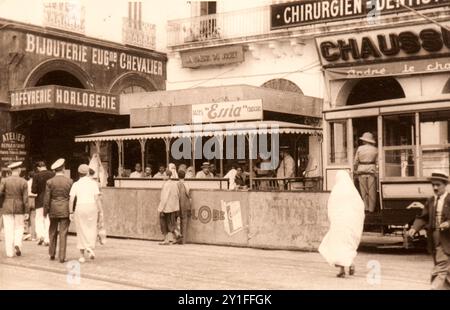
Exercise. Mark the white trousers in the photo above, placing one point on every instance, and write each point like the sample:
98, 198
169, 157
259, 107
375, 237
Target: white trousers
42, 225
13, 226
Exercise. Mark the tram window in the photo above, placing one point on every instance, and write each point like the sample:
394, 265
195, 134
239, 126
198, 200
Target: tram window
398, 145
435, 144
338, 143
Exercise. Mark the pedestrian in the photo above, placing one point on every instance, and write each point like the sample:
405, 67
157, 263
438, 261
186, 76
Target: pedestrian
137, 173
15, 211
436, 218
39, 183
85, 212
161, 174
148, 172
185, 206
173, 169
168, 209
101, 231
366, 167
239, 179
190, 172
346, 217
231, 176
286, 169
205, 173
56, 206
30, 225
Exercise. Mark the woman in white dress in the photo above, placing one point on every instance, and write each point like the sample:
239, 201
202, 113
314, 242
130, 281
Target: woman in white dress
85, 211
346, 216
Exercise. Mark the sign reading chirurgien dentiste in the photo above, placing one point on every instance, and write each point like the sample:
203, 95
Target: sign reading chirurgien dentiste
299, 13
12, 148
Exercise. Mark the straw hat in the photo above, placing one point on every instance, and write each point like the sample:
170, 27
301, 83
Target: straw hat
439, 176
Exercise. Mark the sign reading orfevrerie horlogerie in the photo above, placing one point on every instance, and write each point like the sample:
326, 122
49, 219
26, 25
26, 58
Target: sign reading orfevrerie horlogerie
59, 97
227, 111
300, 13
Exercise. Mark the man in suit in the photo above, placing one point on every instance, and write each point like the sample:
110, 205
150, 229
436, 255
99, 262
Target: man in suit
14, 189
56, 206
38, 187
435, 218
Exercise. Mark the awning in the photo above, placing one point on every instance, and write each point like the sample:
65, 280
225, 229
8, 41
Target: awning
205, 130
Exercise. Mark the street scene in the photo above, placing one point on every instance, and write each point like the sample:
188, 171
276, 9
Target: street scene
220, 145
133, 264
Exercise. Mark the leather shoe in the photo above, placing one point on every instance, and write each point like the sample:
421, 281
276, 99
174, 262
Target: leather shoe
18, 252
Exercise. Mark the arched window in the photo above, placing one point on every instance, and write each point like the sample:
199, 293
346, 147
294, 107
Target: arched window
282, 84
375, 89
133, 89
59, 77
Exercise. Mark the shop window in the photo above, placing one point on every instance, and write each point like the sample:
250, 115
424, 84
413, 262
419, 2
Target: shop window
435, 144
399, 145
338, 143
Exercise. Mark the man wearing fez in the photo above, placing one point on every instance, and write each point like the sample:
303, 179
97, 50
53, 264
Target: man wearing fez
38, 187
14, 189
56, 206
435, 218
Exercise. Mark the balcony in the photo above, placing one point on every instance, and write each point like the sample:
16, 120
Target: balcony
222, 26
138, 33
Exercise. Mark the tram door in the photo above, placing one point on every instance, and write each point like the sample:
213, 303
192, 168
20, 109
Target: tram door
361, 126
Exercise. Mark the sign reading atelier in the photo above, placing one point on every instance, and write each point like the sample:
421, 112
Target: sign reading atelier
299, 13
12, 148
59, 97
81, 53
227, 111
212, 56
384, 45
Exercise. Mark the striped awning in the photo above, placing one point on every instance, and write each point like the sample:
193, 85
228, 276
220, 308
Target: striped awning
201, 130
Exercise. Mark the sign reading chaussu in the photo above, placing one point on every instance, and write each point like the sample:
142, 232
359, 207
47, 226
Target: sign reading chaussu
12, 148
60, 97
316, 11
384, 45
227, 111
212, 56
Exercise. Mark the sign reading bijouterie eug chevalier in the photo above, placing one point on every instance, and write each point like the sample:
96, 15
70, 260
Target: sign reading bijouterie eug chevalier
299, 13
86, 54
59, 97
12, 148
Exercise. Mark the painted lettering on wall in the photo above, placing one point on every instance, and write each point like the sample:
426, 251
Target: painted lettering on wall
81, 53
384, 45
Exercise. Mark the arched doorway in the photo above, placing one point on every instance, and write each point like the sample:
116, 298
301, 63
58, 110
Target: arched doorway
282, 84
129, 83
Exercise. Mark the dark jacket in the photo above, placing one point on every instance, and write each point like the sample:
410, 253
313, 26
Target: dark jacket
38, 186
185, 197
14, 190
56, 198
427, 220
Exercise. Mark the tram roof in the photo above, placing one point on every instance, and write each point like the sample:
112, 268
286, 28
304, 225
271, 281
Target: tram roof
201, 130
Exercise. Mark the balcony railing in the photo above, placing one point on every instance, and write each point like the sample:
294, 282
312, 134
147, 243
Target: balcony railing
229, 25
138, 33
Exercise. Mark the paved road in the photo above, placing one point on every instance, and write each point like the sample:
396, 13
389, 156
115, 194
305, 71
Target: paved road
145, 264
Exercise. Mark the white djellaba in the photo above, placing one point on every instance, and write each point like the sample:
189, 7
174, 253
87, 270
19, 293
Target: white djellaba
346, 216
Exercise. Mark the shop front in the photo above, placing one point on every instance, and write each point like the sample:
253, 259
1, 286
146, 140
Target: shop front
392, 84
57, 85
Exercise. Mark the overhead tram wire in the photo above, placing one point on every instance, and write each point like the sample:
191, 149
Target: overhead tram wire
422, 15
219, 76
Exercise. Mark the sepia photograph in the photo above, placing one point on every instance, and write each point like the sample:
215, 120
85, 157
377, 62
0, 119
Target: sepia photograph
204, 147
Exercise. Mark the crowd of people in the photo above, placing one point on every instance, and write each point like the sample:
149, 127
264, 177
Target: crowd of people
42, 208
238, 173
